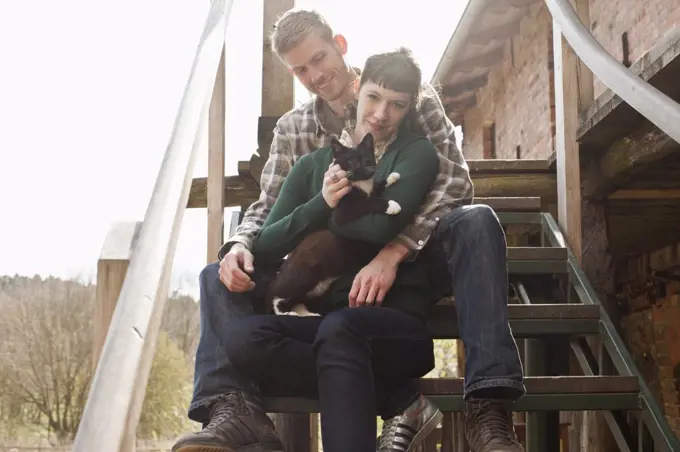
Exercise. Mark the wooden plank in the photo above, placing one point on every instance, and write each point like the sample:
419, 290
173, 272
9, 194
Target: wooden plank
238, 190
512, 204
535, 253
532, 187
517, 184
509, 165
566, 69
215, 184
626, 159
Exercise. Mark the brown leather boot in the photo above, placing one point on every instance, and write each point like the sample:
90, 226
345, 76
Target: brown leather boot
489, 427
237, 424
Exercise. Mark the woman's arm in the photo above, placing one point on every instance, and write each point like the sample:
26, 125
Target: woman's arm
293, 216
417, 165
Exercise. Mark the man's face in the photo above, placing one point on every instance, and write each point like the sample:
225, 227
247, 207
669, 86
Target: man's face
320, 67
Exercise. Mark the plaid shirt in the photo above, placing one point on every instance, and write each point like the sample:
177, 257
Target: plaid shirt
304, 130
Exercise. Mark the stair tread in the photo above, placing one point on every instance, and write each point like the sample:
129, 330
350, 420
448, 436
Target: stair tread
511, 204
567, 393
544, 385
536, 253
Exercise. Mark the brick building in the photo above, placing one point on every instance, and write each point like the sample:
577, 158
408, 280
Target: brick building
497, 82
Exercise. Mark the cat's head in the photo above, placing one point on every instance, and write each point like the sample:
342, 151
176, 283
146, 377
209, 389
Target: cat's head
358, 162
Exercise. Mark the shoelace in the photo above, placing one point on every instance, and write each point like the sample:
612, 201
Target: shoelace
492, 421
388, 433
229, 405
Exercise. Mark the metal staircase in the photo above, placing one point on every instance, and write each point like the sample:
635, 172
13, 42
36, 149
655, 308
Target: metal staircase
554, 307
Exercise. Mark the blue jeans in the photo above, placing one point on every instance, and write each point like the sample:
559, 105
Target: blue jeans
359, 362
467, 254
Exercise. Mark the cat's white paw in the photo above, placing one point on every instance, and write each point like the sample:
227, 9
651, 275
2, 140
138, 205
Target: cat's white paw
393, 207
392, 178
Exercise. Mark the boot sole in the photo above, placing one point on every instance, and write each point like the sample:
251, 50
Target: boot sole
428, 428
204, 448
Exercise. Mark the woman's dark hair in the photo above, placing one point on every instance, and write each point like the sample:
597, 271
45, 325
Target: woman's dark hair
396, 70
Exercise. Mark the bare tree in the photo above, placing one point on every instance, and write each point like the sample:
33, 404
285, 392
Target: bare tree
45, 355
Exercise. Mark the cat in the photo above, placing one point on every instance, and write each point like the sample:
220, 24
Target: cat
323, 256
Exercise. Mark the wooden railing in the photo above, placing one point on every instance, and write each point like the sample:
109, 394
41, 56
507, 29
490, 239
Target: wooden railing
114, 403
664, 113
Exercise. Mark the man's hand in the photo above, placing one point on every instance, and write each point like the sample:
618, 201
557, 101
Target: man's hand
373, 282
234, 268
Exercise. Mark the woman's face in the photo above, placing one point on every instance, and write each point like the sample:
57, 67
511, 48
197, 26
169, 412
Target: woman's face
380, 111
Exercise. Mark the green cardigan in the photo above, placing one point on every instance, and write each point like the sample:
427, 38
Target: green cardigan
300, 209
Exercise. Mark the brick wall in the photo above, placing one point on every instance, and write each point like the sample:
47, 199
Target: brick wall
644, 22
652, 327
517, 97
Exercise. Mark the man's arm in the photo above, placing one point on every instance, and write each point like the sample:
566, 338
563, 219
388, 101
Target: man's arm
275, 170
453, 185
293, 216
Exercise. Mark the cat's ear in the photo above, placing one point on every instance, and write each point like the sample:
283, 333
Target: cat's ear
337, 147
367, 142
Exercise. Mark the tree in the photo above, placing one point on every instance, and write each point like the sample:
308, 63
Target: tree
45, 356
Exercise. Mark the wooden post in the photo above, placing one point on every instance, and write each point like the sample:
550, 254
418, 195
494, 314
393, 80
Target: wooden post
111, 269
566, 146
112, 266
216, 151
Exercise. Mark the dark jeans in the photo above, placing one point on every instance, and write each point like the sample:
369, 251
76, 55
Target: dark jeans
467, 254
344, 359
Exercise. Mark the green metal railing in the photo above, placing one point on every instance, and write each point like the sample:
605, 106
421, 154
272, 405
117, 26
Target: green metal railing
652, 415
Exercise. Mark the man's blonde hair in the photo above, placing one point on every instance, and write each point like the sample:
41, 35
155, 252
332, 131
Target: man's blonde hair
295, 25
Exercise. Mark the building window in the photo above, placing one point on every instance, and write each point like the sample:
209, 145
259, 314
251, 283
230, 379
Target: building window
518, 152
489, 138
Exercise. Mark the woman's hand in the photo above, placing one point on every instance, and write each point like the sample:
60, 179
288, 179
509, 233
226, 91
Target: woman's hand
335, 186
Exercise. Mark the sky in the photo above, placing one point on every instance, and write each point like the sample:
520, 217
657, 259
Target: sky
88, 96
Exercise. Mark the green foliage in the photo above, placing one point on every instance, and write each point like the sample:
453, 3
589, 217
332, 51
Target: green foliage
168, 392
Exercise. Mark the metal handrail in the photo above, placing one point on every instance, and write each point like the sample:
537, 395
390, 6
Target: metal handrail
114, 402
652, 415
654, 105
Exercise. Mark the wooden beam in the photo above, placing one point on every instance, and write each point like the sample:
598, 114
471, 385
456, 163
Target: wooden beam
500, 33
481, 60
646, 193
237, 191
278, 94
567, 148
628, 157
455, 90
215, 186
586, 86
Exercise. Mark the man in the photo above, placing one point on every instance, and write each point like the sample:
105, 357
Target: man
464, 245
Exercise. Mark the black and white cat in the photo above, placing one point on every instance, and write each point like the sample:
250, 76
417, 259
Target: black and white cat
323, 256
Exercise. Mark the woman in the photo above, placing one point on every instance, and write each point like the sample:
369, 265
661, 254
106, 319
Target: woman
359, 361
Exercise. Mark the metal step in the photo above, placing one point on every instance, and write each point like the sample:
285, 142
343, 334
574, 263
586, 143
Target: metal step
527, 320
573, 393
512, 204
537, 260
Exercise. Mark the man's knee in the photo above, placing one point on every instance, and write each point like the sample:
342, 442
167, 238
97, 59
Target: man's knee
243, 342
210, 275
473, 220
